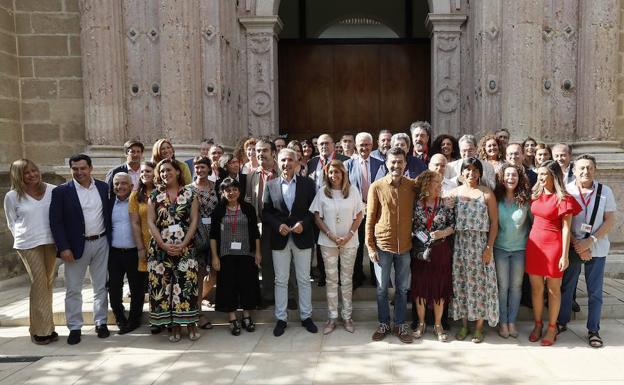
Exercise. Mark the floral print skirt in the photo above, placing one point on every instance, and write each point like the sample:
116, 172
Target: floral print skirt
474, 283
173, 290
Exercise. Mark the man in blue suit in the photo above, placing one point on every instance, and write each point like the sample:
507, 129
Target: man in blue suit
81, 231
363, 170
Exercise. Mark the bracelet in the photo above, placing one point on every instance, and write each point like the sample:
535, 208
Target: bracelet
352, 232
593, 238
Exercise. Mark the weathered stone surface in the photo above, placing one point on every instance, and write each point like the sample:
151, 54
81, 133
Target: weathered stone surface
22, 23
9, 152
35, 111
70, 89
39, 89
71, 6
9, 109
25, 67
41, 132
74, 45
67, 110
8, 87
7, 23
73, 132
7, 43
38, 5
10, 132
69, 67
42, 45
8, 64
55, 23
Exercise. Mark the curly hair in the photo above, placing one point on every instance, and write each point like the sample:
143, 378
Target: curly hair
483, 142
521, 192
423, 183
436, 147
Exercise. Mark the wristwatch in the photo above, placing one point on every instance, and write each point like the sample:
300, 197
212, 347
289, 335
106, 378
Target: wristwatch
593, 238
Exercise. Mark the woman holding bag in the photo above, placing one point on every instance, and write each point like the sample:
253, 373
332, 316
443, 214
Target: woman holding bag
434, 223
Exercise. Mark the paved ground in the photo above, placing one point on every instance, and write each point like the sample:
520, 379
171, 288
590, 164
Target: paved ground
302, 358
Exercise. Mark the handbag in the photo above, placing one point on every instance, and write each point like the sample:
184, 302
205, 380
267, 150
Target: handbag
421, 246
573, 256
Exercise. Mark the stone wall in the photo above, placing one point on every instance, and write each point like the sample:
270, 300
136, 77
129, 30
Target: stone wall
48, 45
619, 123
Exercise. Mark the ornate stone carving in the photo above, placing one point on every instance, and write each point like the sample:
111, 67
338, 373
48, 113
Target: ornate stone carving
492, 32
447, 100
209, 33
260, 103
447, 42
492, 84
132, 34
260, 42
547, 33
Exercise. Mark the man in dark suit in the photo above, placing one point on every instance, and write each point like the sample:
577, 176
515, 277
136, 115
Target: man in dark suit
363, 170
123, 259
383, 145
204, 149
81, 232
134, 154
316, 168
286, 210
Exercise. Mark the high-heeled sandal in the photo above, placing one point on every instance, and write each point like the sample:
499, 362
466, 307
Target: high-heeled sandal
235, 327
462, 333
249, 325
535, 335
477, 336
420, 330
439, 332
546, 342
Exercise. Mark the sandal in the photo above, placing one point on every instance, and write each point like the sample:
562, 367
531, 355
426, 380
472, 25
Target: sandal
439, 332
174, 334
546, 342
536, 334
192, 332
594, 340
206, 325
462, 333
249, 325
235, 327
419, 331
477, 336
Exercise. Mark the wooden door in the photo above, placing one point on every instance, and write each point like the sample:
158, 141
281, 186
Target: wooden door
352, 87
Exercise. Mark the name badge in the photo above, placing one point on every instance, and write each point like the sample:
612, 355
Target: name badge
422, 236
586, 228
236, 246
174, 228
206, 221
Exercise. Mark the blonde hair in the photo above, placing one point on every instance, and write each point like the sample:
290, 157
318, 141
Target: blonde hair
555, 172
16, 174
156, 157
346, 185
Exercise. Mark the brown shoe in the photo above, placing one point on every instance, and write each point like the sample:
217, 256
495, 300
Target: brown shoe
405, 334
348, 325
382, 331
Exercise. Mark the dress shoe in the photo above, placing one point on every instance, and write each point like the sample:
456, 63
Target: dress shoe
129, 328
280, 327
309, 325
102, 331
348, 325
329, 326
53, 337
74, 337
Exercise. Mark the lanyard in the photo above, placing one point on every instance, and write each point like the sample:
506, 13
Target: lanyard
430, 213
234, 220
586, 202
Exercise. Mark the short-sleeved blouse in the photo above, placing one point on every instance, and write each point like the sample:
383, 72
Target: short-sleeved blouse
338, 214
140, 209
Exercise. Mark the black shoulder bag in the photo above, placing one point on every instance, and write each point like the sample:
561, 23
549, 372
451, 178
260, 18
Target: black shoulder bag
573, 256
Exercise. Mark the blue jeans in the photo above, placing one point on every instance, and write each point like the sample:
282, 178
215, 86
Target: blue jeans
401, 263
509, 272
594, 274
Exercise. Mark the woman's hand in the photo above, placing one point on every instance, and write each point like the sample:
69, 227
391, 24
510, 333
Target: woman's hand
563, 263
435, 235
258, 258
171, 249
216, 263
486, 257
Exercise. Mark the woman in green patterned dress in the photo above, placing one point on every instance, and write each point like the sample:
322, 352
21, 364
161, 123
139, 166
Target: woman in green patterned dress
173, 213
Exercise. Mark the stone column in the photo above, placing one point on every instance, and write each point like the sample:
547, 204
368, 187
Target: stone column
597, 70
103, 61
180, 70
262, 91
445, 71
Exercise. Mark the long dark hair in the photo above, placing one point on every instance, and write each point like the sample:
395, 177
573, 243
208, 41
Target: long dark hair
142, 189
521, 192
555, 172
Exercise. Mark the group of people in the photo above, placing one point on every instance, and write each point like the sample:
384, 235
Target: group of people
453, 225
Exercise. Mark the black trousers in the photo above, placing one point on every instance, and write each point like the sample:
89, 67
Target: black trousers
237, 284
124, 262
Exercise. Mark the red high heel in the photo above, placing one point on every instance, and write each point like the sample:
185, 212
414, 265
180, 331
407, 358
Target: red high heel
546, 342
534, 336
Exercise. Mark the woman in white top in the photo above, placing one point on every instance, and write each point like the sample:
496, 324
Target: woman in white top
338, 211
27, 208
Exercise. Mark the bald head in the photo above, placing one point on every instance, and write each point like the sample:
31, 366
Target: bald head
325, 145
437, 164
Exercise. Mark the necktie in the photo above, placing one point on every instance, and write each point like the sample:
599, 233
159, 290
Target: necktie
365, 179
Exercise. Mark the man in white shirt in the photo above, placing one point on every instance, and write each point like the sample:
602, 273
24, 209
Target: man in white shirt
590, 242
562, 154
123, 259
468, 149
81, 232
437, 163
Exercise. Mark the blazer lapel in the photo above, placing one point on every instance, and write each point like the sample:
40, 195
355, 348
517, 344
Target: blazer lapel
76, 201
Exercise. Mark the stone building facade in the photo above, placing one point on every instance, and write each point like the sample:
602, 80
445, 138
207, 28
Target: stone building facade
85, 75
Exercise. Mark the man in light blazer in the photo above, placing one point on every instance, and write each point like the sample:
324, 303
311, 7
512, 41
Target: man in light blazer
363, 170
286, 210
81, 231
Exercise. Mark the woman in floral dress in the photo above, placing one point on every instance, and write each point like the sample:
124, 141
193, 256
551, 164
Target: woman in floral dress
474, 274
173, 214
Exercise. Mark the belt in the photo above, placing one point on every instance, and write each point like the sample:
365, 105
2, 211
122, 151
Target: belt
94, 237
124, 250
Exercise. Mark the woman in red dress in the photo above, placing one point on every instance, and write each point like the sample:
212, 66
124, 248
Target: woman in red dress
548, 245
